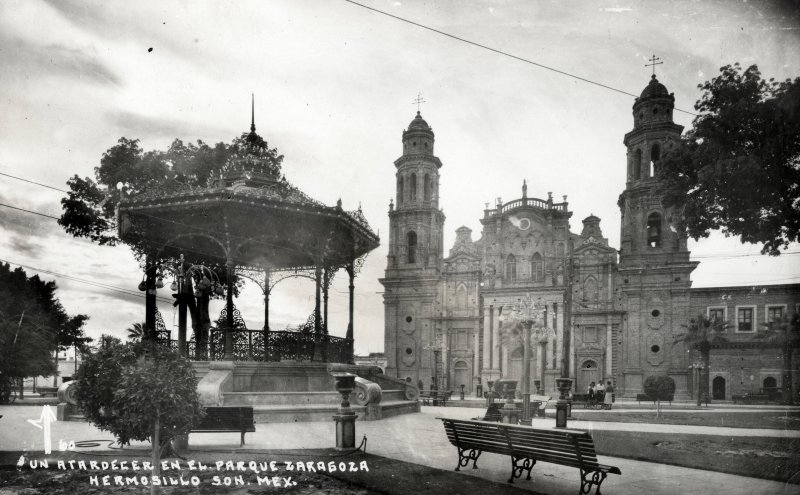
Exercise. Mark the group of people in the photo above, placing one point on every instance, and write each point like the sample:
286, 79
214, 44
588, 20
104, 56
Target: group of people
601, 393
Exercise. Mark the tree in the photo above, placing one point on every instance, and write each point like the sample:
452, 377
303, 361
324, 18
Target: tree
137, 331
140, 391
33, 323
738, 169
701, 333
785, 333
659, 388
126, 169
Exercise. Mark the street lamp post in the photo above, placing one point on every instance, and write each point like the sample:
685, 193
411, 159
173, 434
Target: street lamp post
528, 313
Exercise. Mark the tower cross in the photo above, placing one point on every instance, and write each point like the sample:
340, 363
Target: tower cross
653, 62
418, 101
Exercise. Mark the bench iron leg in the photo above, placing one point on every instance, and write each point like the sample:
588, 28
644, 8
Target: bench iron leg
591, 478
463, 459
520, 464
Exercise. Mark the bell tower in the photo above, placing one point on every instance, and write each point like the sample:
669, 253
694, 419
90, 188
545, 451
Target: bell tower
414, 262
654, 267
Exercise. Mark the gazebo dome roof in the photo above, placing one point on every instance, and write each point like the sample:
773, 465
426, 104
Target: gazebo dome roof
419, 124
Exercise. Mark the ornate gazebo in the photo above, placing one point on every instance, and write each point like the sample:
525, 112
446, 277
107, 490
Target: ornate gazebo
247, 222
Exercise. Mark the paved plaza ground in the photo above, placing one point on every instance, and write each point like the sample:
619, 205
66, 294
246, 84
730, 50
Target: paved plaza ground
420, 439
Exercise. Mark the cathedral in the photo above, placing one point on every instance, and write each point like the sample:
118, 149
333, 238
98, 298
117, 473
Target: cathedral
609, 314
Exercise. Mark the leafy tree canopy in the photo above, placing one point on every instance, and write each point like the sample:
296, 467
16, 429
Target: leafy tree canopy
126, 169
738, 169
659, 387
32, 324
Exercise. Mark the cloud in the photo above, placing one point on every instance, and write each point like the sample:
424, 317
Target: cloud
30, 61
25, 245
142, 126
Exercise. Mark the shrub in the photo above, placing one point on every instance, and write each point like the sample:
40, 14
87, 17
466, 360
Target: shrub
659, 388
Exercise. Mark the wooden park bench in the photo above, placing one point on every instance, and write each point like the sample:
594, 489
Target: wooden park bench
492, 413
538, 404
47, 391
751, 398
227, 419
526, 446
646, 398
435, 397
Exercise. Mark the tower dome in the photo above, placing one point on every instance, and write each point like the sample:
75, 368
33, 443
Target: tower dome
654, 89
418, 138
419, 123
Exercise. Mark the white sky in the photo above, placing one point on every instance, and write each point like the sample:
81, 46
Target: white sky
334, 84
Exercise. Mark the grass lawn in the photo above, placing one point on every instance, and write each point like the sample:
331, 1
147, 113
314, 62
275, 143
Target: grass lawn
725, 417
770, 458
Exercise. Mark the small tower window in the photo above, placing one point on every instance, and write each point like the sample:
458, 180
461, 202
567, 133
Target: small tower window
511, 267
411, 242
655, 155
654, 230
413, 187
537, 268
637, 164
426, 188
400, 184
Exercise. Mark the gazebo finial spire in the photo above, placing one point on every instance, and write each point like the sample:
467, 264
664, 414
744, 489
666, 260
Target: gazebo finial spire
252, 112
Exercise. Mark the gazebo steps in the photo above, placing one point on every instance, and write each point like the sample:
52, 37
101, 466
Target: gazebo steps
282, 398
324, 412
297, 398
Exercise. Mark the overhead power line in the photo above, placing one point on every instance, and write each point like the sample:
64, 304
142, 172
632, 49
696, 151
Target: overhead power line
29, 211
100, 285
33, 182
501, 52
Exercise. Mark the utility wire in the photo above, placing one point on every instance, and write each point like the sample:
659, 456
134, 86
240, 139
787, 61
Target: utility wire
29, 211
500, 52
37, 183
720, 256
100, 285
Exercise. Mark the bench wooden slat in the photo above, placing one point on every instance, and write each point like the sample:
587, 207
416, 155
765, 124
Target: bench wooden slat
223, 419
572, 448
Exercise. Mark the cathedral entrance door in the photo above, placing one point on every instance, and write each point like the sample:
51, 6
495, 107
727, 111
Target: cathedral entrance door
462, 377
718, 388
515, 366
589, 373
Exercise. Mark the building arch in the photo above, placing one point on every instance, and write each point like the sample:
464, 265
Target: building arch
412, 186
511, 267
654, 230
461, 296
426, 187
411, 246
637, 164
537, 267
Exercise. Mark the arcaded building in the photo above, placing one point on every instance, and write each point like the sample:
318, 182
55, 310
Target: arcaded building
612, 314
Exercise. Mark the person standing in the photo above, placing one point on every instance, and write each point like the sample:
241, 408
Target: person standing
600, 392
609, 396
590, 392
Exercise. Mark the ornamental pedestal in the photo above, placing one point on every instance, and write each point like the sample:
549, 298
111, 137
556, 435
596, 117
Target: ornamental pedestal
345, 418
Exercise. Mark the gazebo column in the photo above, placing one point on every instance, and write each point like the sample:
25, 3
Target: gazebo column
266, 315
317, 314
150, 299
183, 294
352, 274
229, 313
326, 280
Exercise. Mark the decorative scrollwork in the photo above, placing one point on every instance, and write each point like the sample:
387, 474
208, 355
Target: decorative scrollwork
591, 478
471, 455
520, 465
162, 334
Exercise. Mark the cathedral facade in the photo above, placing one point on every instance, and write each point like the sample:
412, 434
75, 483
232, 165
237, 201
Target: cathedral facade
607, 314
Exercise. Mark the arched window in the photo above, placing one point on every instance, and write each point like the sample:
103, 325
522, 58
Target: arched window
654, 230
461, 297
637, 164
590, 289
413, 187
511, 267
655, 155
426, 187
537, 268
400, 184
411, 243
